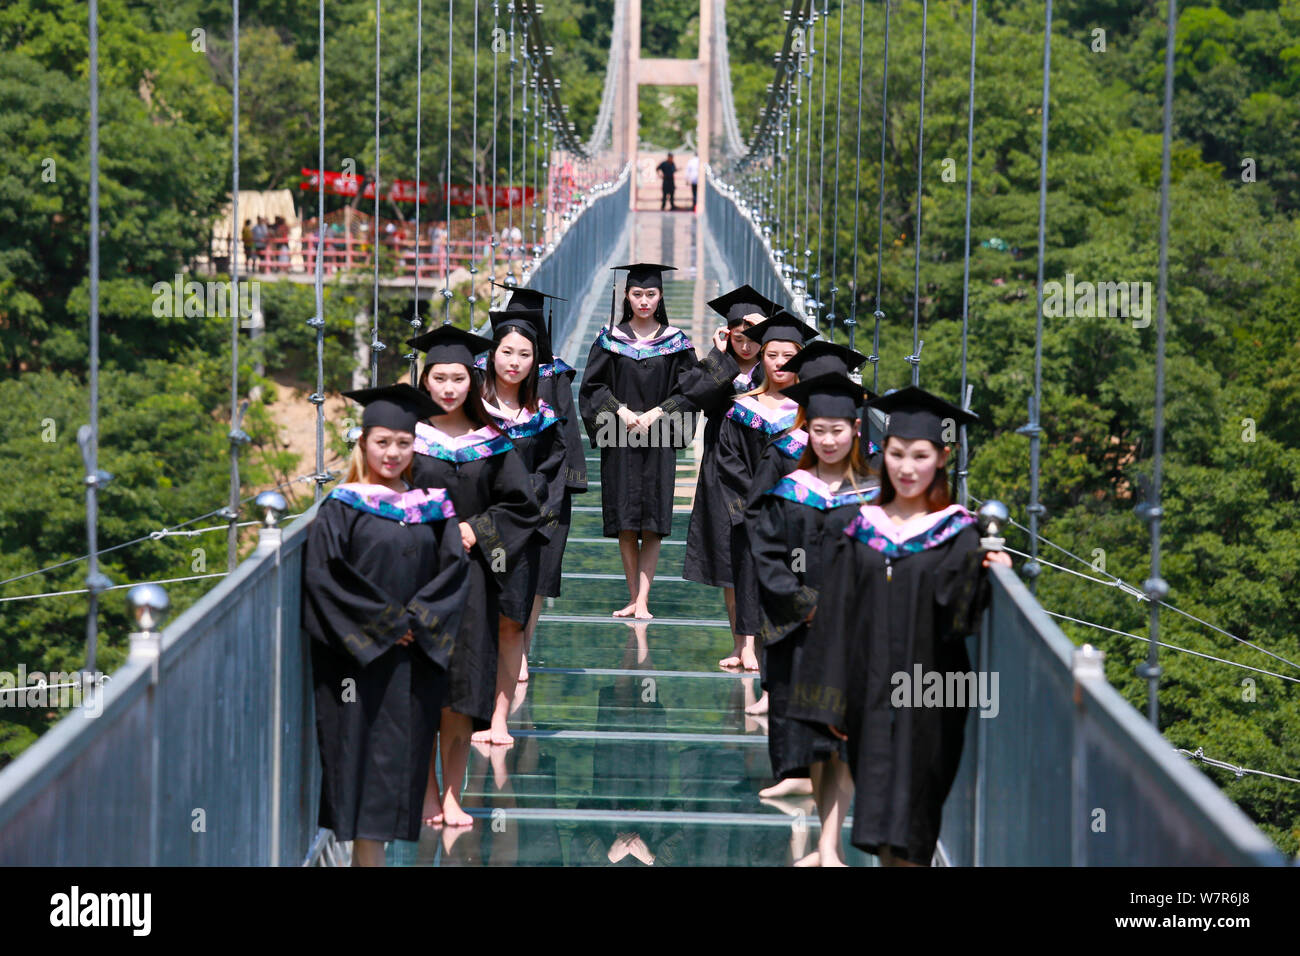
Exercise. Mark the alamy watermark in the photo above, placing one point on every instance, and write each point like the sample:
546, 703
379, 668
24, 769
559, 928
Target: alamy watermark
922, 688
1094, 300
669, 430
213, 299
53, 690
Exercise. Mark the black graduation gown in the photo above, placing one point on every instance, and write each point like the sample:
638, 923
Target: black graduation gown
636, 481
743, 444
790, 526
367, 579
880, 613
556, 389
492, 493
711, 386
539, 442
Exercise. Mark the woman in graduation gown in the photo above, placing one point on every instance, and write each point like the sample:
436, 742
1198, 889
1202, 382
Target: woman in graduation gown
904, 585
510, 398
384, 585
789, 525
754, 419
462, 451
555, 386
731, 367
634, 412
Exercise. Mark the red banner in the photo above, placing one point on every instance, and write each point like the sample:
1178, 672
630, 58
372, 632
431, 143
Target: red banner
408, 190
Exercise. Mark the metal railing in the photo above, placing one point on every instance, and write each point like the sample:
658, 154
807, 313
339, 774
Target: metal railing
745, 246
204, 752
1068, 773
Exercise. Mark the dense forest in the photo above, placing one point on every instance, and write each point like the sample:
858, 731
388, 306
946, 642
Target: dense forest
1231, 495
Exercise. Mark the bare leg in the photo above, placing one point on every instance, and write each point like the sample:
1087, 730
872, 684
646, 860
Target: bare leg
510, 648
455, 755
631, 555
833, 798
368, 853
818, 771
649, 561
748, 657
732, 662
528, 637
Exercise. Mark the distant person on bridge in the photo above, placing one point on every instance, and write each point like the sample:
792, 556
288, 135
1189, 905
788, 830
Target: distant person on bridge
904, 585
693, 179
634, 411
385, 579
666, 169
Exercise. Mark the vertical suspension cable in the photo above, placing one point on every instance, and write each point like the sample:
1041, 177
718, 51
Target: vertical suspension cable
419, 114
492, 202
446, 230
807, 179
510, 161
1032, 429
473, 178
1155, 587
915, 358
236, 433
963, 457
852, 320
95, 581
835, 214
821, 160
318, 398
879, 315
375, 345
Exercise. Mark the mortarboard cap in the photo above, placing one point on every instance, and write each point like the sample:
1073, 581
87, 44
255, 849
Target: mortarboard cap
912, 412
830, 395
529, 324
781, 327
397, 407
447, 344
822, 357
645, 275
738, 303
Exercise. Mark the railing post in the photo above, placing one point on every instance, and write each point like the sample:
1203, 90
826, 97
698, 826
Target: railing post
269, 539
1087, 665
149, 604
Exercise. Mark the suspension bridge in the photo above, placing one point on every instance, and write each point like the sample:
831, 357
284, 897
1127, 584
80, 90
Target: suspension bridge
630, 745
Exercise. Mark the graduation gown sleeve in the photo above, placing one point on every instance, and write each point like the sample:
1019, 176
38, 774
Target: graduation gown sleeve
504, 527
786, 600
708, 384
548, 477
735, 464
596, 398
575, 462
342, 607
684, 363
819, 693
962, 586
436, 609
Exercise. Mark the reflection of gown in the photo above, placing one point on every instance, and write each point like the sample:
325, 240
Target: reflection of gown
492, 494
377, 564
712, 385
746, 432
539, 441
636, 482
629, 775
895, 598
789, 526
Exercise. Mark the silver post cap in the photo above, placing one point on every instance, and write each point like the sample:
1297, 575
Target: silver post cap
149, 605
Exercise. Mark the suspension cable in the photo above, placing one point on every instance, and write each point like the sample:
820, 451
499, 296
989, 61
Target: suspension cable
852, 320
879, 314
963, 459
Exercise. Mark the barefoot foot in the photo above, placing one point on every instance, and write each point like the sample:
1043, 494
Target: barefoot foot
758, 707
628, 611
453, 815
790, 786
481, 737
812, 859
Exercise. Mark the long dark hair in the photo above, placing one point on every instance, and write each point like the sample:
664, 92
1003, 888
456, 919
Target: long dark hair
473, 404
527, 388
937, 497
858, 467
